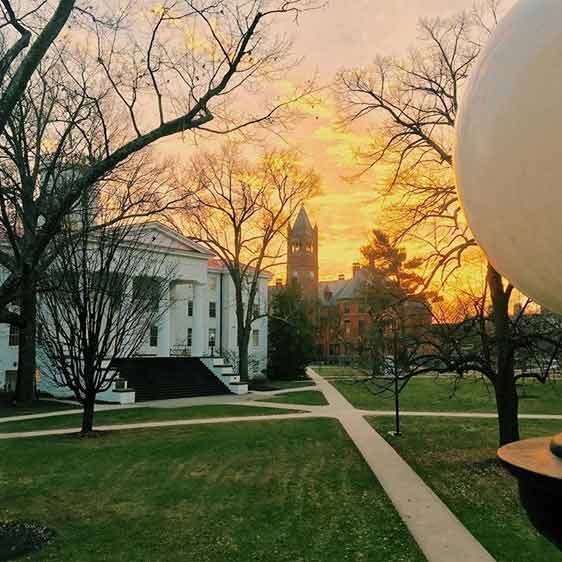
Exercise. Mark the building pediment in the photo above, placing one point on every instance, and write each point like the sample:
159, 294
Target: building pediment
161, 237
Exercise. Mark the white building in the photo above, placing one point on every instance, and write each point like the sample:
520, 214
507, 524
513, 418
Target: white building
200, 320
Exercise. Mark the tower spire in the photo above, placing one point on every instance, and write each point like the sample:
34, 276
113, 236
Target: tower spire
302, 255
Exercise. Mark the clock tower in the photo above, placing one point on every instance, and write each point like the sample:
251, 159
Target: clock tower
302, 255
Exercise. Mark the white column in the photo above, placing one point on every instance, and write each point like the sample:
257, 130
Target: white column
200, 320
164, 327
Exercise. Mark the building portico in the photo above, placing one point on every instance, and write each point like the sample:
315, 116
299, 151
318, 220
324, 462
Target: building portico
197, 313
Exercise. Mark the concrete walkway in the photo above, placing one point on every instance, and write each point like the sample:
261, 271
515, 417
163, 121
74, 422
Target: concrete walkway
439, 534
251, 399
159, 424
257, 399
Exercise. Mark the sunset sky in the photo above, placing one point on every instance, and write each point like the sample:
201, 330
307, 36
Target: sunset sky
346, 34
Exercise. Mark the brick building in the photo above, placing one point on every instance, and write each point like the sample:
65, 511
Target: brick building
343, 321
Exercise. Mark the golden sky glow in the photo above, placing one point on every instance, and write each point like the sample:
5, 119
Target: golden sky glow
348, 33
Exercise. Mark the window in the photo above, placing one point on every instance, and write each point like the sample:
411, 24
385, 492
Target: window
256, 309
347, 308
361, 327
212, 283
189, 337
154, 335
112, 285
145, 287
212, 309
190, 308
255, 338
212, 337
14, 339
347, 325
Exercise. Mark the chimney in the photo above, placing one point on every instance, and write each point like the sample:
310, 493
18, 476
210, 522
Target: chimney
279, 283
341, 277
356, 267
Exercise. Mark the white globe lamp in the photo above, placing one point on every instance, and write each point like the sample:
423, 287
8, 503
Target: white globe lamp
508, 162
508, 156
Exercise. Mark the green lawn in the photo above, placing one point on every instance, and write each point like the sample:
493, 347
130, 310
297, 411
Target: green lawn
305, 397
39, 407
279, 385
457, 458
283, 491
446, 394
334, 372
134, 415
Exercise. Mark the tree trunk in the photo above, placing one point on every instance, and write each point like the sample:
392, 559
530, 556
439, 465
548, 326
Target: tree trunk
504, 382
88, 414
27, 361
507, 405
243, 342
243, 335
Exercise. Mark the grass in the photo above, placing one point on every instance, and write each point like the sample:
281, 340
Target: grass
304, 397
457, 458
7, 410
279, 385
449, 394
137, 415
339, 372
232, 492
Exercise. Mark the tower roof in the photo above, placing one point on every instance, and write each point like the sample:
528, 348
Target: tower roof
302, 224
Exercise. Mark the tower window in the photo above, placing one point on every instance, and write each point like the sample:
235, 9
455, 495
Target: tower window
190, 308
212, 309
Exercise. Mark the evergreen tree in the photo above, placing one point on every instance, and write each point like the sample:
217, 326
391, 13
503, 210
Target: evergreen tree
291, 334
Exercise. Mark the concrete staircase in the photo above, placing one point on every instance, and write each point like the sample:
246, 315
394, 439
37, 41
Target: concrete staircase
225, 373
163, 378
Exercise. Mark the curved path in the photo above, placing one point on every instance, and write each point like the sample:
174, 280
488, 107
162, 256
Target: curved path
440, 535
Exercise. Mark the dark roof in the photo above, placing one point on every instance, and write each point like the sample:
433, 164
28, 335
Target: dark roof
342, 289
302, 224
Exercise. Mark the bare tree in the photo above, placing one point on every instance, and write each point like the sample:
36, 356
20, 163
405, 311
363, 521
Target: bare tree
461, 341
19, 55
43, 155
416, 100
241, 212
106, 289
187, 66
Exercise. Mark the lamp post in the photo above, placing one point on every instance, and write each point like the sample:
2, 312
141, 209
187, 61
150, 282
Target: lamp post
392, 321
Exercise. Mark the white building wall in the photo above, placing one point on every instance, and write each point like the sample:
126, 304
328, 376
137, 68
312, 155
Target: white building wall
193, 281
8, 355
258, 353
